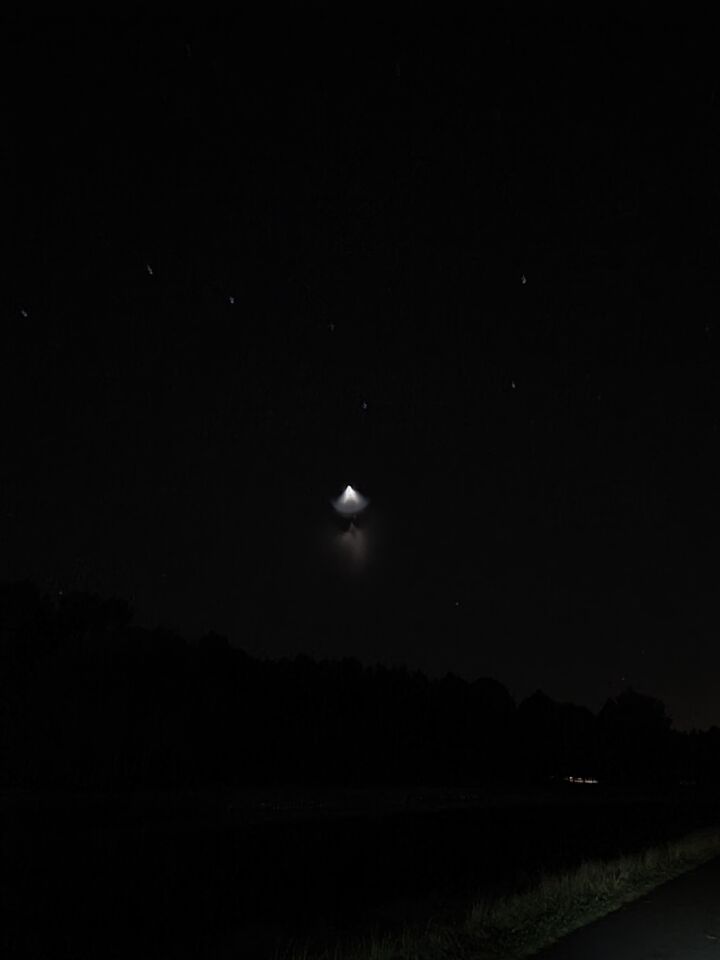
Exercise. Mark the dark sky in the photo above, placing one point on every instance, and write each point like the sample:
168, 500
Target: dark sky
224, 238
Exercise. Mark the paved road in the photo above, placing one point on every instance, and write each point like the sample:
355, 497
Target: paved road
677, 921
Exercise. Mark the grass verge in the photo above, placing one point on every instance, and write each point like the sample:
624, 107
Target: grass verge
515, 927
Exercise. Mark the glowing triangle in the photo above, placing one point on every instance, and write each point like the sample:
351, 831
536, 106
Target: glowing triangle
350, 502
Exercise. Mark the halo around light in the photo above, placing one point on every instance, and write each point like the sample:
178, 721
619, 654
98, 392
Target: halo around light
350, 502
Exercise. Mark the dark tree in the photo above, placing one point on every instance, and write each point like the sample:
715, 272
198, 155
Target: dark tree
635, 738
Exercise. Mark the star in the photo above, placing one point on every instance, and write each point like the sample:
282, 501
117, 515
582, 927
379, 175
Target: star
231, 300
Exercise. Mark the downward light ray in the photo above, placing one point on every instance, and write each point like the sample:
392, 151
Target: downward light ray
350, 503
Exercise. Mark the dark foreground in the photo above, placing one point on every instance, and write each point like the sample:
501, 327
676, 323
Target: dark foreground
230, 875
677, 921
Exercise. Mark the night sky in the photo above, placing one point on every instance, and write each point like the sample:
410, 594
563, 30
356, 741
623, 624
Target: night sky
467, 264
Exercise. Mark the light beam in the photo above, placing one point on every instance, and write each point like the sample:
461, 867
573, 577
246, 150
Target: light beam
350, 503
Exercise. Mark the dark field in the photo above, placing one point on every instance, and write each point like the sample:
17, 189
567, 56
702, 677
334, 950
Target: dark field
219, 875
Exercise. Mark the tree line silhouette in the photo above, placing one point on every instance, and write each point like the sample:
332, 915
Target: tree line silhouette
89, 700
